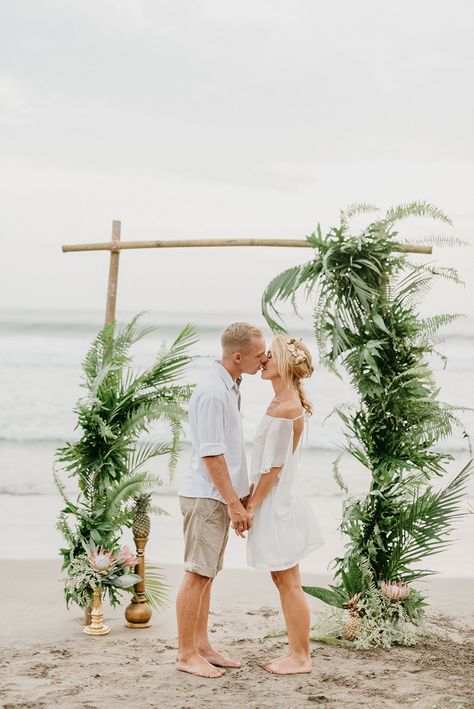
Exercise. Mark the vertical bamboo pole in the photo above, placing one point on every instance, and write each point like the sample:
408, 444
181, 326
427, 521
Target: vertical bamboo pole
110, 307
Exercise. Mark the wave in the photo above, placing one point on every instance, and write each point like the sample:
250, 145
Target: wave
89, 322
53, 439
164, 491
87, 329
456, 446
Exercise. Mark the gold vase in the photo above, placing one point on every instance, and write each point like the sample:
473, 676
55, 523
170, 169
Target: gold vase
96, 626
138, 613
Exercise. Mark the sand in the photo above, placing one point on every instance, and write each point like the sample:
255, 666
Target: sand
47, 661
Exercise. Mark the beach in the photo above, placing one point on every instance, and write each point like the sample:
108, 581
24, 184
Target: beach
47, 660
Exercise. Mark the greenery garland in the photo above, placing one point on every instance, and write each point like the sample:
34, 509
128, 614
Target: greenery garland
365, 319
107, 462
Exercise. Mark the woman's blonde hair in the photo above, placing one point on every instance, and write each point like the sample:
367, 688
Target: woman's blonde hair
294, 363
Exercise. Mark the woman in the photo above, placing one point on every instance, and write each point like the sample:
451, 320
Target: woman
283, 527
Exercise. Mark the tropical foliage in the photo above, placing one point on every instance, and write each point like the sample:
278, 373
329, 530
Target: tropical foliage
107, 462
366, 295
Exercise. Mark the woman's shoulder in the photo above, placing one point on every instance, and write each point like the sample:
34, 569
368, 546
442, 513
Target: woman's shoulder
287, 410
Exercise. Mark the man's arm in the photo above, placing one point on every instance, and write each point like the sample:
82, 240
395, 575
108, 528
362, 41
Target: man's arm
219, 474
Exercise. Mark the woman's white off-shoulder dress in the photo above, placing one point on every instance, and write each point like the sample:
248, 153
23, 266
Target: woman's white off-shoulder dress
284, 528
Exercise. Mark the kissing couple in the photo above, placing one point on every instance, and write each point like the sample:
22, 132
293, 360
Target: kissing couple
215, 493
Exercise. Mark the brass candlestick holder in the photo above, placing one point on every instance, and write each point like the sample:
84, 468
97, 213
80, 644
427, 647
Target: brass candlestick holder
97, 626
138, 613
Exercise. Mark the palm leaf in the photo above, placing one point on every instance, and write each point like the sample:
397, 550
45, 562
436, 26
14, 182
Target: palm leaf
156, 590
126, 489
424, 526
141, 454
325, 595
283, 288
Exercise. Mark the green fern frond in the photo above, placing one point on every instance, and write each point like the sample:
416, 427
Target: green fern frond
64, 528
414, 209
450, 274
436, 240
62, 489
336, 473
358, 208
429, 326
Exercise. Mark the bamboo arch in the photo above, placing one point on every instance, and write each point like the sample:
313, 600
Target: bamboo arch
138, 614
115, 246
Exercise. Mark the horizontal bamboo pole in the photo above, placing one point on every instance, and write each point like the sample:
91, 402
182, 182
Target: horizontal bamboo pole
176, 243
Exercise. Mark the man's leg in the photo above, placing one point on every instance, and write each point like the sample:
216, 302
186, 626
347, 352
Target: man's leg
188, 605
203, 645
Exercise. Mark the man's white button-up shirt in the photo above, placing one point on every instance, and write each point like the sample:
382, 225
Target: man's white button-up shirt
215, 428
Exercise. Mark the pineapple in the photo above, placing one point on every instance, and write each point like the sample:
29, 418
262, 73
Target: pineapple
355, 620
141, 520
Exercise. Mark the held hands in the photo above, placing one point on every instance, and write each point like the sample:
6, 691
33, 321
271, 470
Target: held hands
239, 518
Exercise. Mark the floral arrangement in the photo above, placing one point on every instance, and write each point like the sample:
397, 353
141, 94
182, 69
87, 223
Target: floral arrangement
103, 568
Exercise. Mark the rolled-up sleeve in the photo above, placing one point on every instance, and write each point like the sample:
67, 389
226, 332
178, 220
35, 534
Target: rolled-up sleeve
210, 424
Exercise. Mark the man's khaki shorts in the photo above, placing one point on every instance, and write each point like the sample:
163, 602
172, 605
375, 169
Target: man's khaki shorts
206, 530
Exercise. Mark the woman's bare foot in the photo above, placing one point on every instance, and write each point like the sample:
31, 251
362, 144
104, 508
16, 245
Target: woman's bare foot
277, 659
217, 659
290, 665
197, 665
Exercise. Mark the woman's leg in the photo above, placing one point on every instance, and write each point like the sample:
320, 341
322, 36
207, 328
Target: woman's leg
297, 618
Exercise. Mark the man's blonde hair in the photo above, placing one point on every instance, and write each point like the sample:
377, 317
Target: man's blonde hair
238, 337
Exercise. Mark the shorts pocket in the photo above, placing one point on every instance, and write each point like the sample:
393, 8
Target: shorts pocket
207, 507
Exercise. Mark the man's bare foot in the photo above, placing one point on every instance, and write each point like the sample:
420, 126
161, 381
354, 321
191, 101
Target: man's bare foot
215, 658
290, 665
197, 665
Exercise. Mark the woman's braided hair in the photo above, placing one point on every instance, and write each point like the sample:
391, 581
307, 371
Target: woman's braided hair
294, 363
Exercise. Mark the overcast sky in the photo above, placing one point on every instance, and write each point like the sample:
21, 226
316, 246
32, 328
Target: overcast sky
219, 118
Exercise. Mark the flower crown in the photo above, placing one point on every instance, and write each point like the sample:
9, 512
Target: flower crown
294, 350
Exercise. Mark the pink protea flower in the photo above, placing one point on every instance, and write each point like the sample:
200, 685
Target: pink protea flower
126, 558
395, 590
101, 560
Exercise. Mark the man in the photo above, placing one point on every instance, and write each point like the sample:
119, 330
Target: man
213, 492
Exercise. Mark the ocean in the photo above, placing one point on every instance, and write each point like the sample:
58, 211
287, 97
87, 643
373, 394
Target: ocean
40, 381
40, 376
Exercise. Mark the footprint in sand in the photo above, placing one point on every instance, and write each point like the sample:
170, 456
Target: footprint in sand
264, 611
61, 653
39, 671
